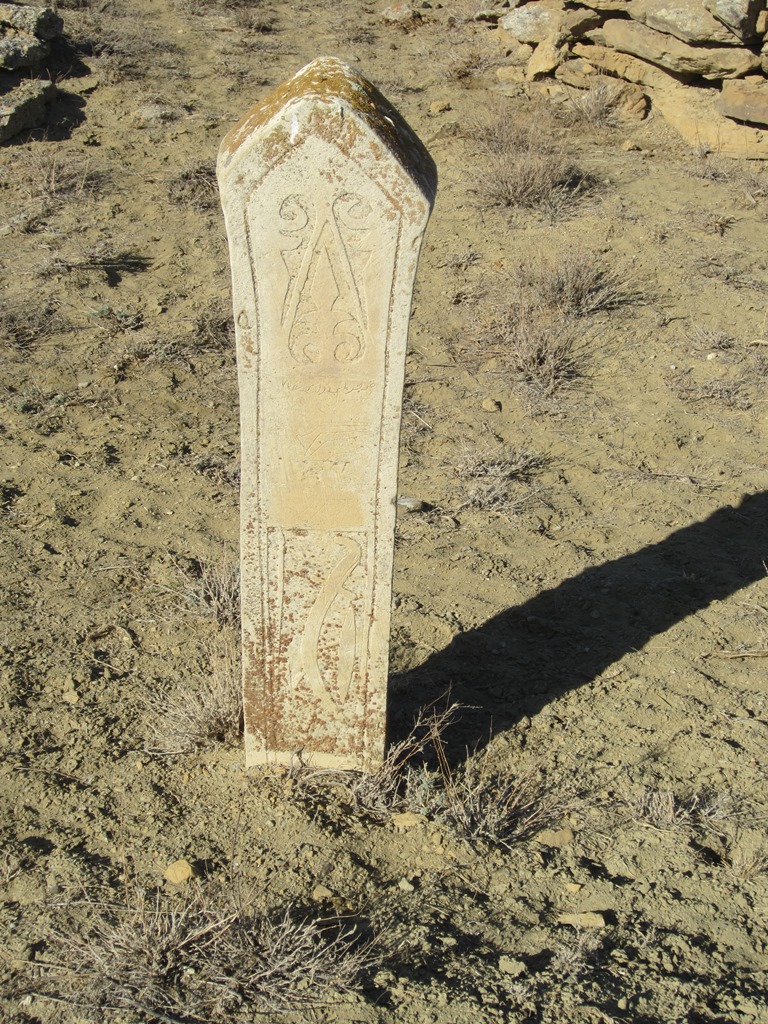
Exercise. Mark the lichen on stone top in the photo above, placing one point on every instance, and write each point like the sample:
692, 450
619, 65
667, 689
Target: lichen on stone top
331, 82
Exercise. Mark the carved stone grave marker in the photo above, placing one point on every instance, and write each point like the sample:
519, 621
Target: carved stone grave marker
326, 194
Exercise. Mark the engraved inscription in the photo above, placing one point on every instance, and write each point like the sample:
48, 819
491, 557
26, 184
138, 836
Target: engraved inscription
319, 584
318, 251
344, 648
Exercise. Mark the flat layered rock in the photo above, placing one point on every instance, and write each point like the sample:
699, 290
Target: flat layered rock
746, 100
21, 50
675, 55
624, 65
326, 194
24, 107
42, 22
693, 112
739, 15
546, 19
686, 19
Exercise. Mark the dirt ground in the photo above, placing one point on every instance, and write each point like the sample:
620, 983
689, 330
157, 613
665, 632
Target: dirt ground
587, 578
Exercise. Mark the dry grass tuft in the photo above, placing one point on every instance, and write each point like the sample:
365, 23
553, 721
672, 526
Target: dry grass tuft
665, 811
491, 476
54, 178
195, 187
576, 955
594, 107
733, 393
211, 956
399, 784
23, 328
214, 328
479, 802
199, 712
748, 856
574, 282
211, 587
709, 339
483, 803
524, 165
543, 352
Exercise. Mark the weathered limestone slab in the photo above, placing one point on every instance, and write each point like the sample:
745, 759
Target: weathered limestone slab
686, 19
692, 111
42, 22
326, 194
546, 18
21, 50
708, 61
739, 15
746, 99
24, 107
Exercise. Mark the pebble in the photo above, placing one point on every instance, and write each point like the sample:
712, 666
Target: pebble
587, 919
321, 892
411, 504
408, 819
440, 107
555, 838
406, 886
491, 405
508, 965
179, 872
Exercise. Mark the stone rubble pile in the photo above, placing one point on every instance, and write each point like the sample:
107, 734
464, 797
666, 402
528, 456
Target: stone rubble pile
702, 64
25, 42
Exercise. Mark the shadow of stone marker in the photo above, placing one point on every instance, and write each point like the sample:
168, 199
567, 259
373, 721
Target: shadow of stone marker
326, 194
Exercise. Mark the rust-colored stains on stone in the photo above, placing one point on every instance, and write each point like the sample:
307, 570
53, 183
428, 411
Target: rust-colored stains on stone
326, 194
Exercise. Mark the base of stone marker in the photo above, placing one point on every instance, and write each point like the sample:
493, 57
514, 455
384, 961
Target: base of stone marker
257, 757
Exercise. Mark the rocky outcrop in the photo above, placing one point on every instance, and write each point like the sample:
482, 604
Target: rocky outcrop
739, 15
24, 107
545, 19
746, 100
702, 64
668, 52
688, 20
25, 36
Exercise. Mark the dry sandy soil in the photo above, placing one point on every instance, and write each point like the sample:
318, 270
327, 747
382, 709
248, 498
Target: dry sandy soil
585, 417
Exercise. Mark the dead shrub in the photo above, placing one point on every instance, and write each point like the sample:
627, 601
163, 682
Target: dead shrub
576, 955
23, 328
497, 477
666, 811
214, 328
595, 106
543, 352
198, 712
122, 44
524, 165
213, 955
211, 587
195, 187
401, 783
748, 855
731, 393
461, 64
709, 339
574, 282
55, 178
529, 178
481, 802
